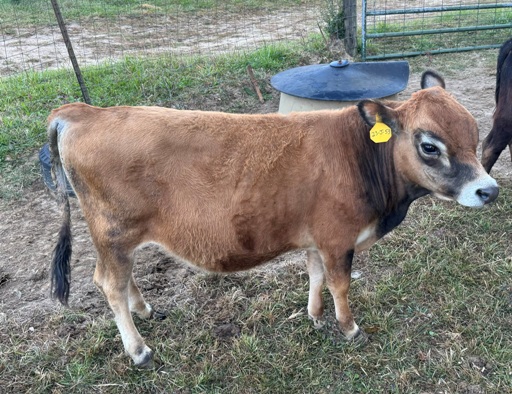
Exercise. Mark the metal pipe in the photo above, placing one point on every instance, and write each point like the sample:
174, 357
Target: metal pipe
437, 31
363, 31
433, 52
437, 9
71, 53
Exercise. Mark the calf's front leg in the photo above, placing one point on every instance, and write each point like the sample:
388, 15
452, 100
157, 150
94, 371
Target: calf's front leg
496, 141
337, 268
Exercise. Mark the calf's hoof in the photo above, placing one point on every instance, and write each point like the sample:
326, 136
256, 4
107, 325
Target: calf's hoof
358, 338
317, 322
147, 365
355, 334
145, 360
158, 315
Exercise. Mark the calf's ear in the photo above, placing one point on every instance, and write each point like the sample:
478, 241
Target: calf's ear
373, 111
430, 79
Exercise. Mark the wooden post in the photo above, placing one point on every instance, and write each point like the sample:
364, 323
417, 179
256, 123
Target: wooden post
350, 13
255, 83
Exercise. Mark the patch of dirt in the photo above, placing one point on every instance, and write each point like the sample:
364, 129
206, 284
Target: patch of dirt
226, 331
96, 40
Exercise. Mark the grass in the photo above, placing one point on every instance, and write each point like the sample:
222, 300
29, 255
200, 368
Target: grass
435, 297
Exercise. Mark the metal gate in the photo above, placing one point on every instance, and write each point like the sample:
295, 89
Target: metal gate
392, 28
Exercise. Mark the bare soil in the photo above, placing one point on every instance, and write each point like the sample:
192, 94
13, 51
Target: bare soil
97, 40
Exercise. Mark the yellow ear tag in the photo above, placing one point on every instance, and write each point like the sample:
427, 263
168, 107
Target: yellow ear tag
380, 132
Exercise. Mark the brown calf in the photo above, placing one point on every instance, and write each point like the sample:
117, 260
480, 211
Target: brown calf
229, 192
501, 133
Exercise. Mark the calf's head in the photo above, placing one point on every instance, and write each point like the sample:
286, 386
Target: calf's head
436, 142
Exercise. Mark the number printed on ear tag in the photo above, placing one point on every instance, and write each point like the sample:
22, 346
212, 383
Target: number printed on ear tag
380, 132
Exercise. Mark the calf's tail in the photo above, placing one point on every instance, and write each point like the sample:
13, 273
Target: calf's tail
60, 269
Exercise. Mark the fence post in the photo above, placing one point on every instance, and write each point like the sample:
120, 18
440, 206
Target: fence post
71, 53
363, 31
350, 12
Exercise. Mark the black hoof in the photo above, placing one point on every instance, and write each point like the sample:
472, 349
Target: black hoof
147, 362
151, 365
360, 338
158, 315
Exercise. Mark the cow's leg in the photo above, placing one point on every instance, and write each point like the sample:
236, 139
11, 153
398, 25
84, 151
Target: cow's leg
316, 283
138, 305
337, 274
113, 276
496, 141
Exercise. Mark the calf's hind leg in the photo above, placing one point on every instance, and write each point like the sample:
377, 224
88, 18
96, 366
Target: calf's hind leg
138, 305
316, 284
113, 276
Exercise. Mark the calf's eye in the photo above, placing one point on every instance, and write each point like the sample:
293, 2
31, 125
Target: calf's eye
430, 150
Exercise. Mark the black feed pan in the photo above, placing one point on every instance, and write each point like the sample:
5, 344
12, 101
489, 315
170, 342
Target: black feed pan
46, 171
344, 81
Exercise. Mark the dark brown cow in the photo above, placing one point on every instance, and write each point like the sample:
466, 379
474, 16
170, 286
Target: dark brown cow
501, 133
229, 192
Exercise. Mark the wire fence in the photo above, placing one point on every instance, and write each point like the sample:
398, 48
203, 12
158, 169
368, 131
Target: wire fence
393, 28
106, 30
103, 31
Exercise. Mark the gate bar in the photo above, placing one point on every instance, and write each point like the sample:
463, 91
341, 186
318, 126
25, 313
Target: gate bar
438, 9
433, 52
445, 30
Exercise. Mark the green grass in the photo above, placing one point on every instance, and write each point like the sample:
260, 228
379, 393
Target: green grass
435, 296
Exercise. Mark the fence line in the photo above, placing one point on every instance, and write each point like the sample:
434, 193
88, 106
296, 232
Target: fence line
101, 33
